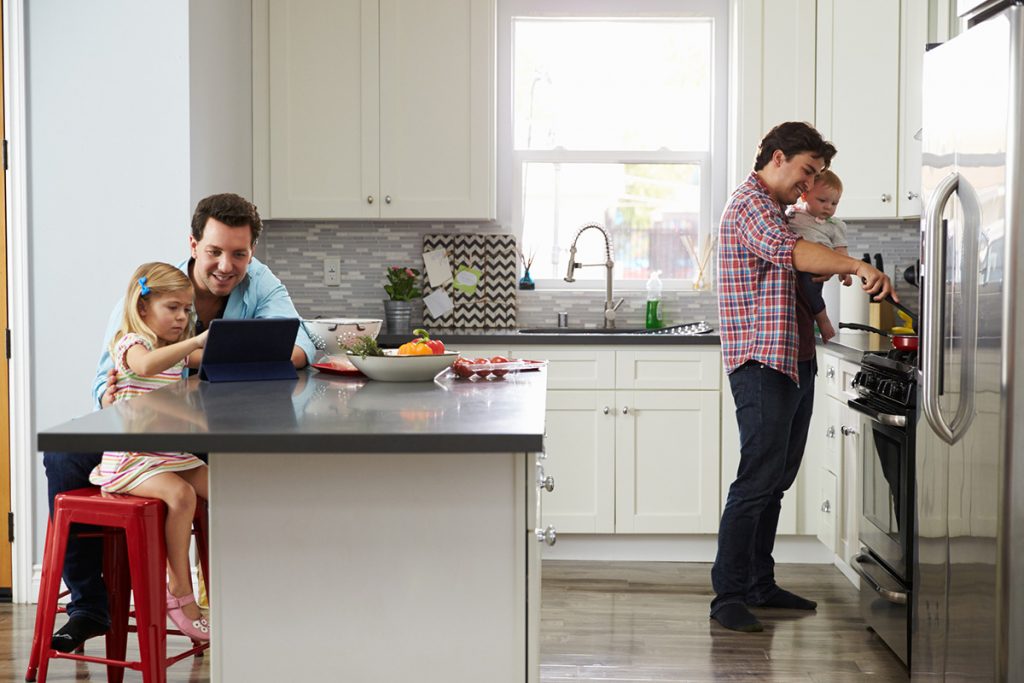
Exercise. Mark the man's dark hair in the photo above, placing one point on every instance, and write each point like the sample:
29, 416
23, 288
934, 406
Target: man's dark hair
229, 209
794, 137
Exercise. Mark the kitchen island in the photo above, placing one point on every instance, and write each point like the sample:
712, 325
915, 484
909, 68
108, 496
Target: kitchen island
360, 531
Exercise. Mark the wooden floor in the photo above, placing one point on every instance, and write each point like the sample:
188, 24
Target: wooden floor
615, 622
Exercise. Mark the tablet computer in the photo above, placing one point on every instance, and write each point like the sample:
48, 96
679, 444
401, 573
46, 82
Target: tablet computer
246, 350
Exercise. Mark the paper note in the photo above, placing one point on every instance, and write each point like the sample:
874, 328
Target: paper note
438, 303
466, 279
439, 270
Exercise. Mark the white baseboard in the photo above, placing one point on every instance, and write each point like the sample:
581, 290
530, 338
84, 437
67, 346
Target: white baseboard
675, 548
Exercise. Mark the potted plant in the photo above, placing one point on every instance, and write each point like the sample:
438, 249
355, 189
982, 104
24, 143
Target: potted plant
402, 288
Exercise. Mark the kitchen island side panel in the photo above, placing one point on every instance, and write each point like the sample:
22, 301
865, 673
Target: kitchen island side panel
369, 567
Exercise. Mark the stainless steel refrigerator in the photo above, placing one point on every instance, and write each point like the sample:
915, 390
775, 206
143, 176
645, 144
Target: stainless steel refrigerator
968, 601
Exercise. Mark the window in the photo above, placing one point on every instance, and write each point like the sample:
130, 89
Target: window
613, 113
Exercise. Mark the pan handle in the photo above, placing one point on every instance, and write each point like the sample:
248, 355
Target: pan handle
904, 309
865, 328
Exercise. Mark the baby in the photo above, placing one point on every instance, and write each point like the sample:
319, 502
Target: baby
812, 218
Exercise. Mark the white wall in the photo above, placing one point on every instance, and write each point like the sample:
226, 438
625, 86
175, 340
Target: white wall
220, 56
119, 150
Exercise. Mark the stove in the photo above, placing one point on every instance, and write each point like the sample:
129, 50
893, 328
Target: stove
888, 380
887, 393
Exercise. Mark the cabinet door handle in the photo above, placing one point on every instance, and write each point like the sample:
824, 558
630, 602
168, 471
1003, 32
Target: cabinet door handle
606, 410
911, 195
830, 373
625, 410
847, 431
547, 483
886, 198
387, 199
369, 199
826, 506
831, 432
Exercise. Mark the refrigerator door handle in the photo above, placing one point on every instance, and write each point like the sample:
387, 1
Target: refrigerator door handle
934, 291
934, 296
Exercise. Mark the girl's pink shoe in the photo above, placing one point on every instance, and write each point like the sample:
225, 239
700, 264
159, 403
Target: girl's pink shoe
196, 629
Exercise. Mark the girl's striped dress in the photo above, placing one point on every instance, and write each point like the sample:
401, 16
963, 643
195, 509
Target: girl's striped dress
121, 472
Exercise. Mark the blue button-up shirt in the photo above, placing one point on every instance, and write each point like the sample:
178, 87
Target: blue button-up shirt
259, 295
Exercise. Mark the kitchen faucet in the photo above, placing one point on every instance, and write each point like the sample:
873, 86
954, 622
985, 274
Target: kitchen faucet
609, 306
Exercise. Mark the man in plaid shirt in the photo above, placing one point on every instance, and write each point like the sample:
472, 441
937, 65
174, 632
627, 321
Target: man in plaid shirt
768, 350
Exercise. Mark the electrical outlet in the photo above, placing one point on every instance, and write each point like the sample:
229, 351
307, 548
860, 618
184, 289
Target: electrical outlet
332, 272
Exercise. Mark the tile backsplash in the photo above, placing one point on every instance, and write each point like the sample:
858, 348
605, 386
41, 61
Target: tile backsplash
296, 250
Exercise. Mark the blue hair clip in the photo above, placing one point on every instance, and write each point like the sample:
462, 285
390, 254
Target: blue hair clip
142, 283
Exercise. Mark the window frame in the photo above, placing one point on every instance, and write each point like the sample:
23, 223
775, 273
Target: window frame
713, 163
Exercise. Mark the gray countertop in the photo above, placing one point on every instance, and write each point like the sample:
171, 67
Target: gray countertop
319, 413
850, 346
512, 337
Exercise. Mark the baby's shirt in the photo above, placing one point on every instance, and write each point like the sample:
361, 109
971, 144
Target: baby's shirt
830, 231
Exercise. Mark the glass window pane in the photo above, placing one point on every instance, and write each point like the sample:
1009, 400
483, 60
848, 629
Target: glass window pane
651, 212
612, 84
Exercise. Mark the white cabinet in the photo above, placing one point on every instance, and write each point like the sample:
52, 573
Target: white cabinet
632, 439
843, 438
370, 109
868, 95
773, 71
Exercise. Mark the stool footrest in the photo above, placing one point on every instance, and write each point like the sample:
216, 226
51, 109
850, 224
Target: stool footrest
56, 654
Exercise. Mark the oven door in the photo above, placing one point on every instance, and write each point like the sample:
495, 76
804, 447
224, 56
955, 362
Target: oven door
887, 497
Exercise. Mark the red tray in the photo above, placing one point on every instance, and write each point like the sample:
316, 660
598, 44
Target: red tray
332, 370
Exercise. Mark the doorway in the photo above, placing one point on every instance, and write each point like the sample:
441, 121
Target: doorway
6, 582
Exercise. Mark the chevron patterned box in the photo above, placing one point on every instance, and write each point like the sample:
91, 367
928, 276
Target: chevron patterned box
494, 302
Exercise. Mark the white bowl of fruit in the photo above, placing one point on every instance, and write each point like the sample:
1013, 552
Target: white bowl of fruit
419, 360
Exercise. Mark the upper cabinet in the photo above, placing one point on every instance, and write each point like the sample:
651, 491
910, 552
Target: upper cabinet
868, 101
367, 109
853, 68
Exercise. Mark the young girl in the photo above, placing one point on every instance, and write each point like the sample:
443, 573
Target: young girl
813, 218
150, 350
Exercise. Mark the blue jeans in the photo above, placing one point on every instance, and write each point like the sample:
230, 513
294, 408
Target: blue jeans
83, 564
773, 415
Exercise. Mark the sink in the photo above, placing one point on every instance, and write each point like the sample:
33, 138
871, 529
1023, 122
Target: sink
580, 330
684, 329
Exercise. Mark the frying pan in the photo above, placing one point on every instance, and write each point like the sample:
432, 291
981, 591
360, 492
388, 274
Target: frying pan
900, 342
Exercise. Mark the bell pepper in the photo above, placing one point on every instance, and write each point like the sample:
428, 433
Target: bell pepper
436, 346
416, 347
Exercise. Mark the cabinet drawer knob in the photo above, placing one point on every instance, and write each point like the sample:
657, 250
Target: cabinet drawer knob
886, 198
826, 506
547, 535
911, 195
547, 483
387, 199
369, 199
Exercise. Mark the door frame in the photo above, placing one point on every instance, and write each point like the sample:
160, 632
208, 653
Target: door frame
22, 448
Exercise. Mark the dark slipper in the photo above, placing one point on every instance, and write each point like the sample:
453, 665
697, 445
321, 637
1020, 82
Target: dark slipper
736, 617
72, 634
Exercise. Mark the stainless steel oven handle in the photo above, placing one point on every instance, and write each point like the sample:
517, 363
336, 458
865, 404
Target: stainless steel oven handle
882, 418
895, 597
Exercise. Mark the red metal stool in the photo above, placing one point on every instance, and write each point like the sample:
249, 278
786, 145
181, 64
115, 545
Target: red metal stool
134, 560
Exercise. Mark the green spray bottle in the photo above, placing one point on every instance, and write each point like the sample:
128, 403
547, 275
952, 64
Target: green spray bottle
653, 318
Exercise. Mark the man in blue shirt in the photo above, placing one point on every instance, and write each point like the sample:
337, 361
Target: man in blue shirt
229, 283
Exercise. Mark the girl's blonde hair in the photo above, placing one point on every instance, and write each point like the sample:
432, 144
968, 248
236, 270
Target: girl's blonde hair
829, 179
160, 278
